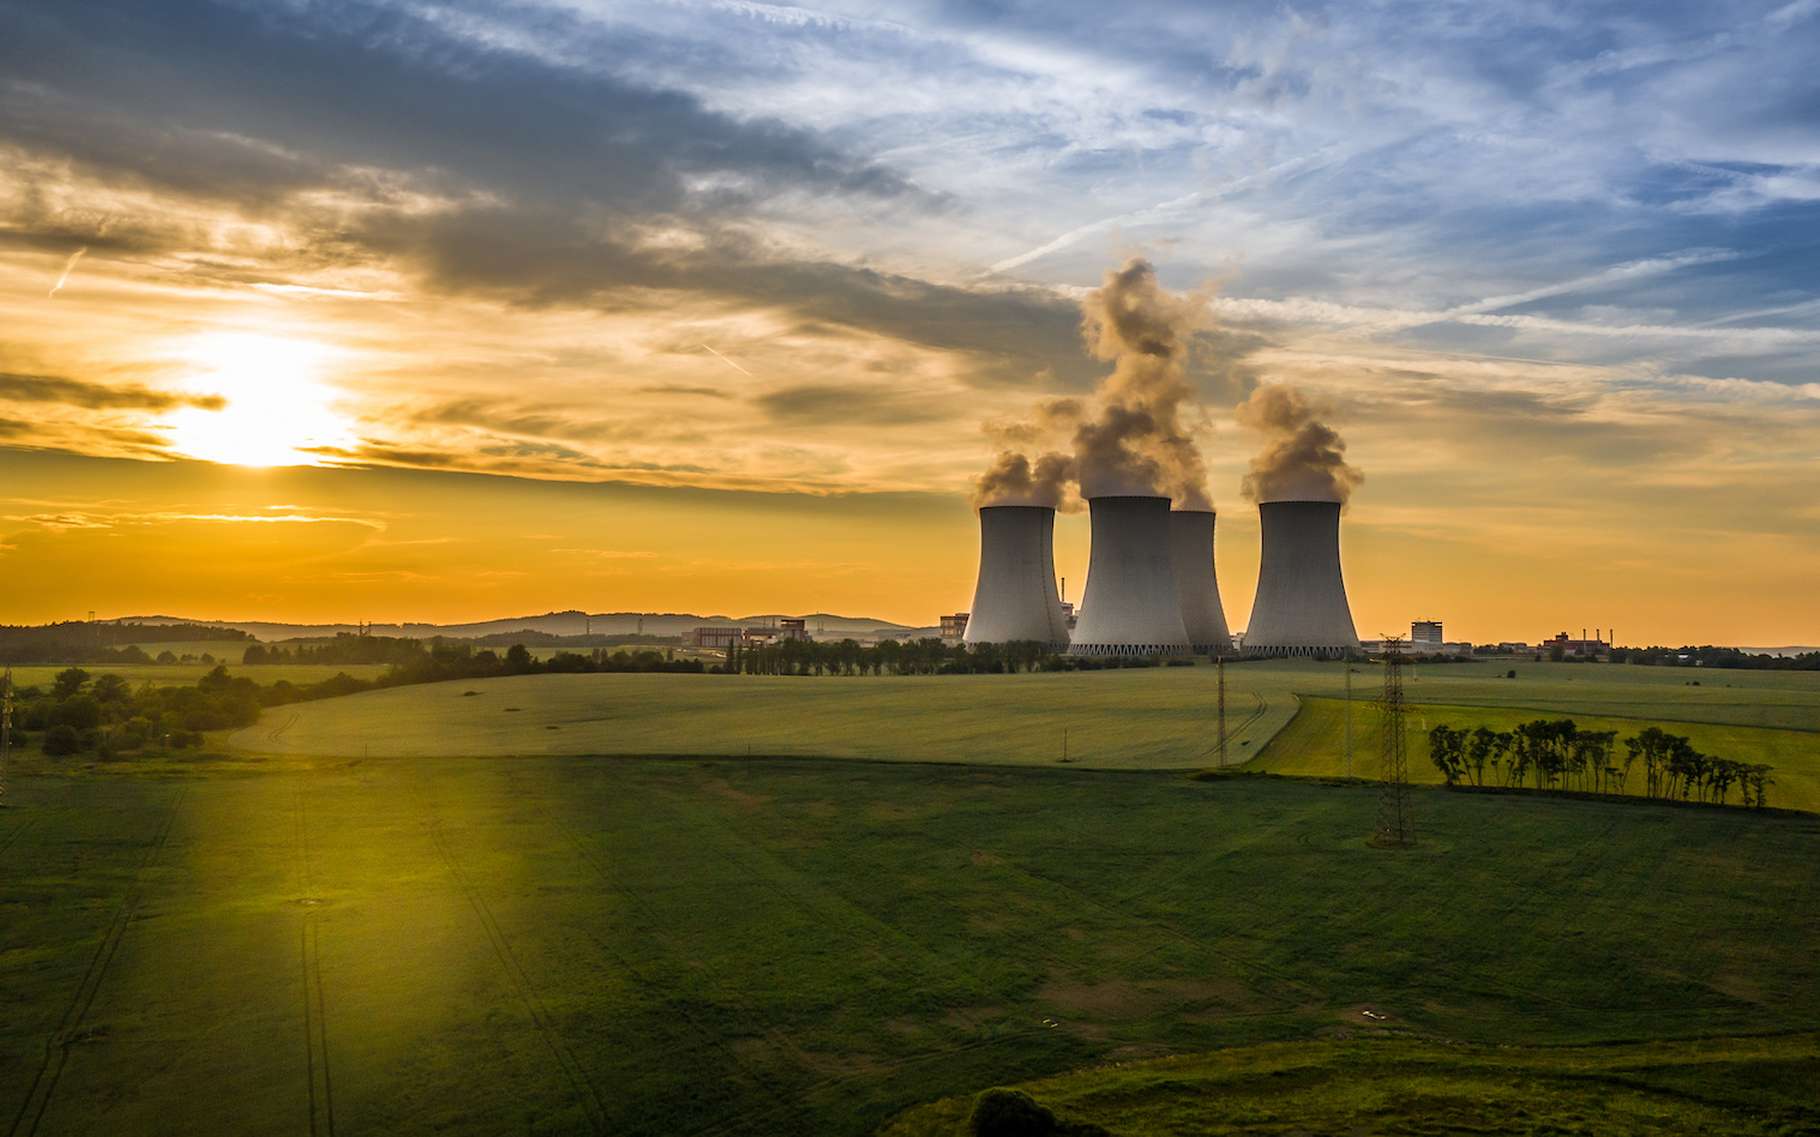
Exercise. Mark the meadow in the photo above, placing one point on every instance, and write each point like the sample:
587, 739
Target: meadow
1161, 718
686, 946
1717, 1087
185, 674
1314, 744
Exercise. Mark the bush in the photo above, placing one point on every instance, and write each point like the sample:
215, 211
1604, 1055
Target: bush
61, 740
1011, 1113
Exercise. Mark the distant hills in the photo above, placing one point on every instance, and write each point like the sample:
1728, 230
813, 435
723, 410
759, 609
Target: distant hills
569, 623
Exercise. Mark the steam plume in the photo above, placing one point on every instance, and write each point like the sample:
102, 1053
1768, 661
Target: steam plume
1138, 445
1303, 459
1014, 480
68, 266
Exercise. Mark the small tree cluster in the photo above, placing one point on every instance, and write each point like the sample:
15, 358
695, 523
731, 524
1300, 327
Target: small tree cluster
1557, 754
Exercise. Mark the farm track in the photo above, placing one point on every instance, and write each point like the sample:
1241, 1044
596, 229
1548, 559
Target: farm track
315, 1013
56, 1048
585, 1091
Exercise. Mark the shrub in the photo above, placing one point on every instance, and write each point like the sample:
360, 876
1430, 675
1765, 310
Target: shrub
61, 740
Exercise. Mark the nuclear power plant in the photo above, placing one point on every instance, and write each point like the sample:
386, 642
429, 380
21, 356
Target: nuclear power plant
1015, 598
1301, 607
1152, 588
1131, 607
1196, 584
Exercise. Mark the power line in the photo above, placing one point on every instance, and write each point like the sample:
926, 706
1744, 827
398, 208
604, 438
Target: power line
1396, 823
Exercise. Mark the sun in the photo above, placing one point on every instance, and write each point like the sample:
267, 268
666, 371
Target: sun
274, 410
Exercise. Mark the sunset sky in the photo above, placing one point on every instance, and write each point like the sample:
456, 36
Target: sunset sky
323, 310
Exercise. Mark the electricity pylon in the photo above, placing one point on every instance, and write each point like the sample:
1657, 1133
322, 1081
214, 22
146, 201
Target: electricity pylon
6, 729
1219, 667
1396, 822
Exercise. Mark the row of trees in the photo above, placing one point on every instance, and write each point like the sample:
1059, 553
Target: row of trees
1725, 658
105, 715
82, 641
929, 656
1557, 754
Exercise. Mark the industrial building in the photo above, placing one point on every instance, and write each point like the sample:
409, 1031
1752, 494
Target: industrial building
954, 627
1015, 598
1132, 606
1301, 607
1426, 635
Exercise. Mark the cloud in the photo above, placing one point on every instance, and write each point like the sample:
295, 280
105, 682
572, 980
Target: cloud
828, 404
25, 388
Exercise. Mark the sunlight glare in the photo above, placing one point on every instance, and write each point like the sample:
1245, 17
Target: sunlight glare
277, 412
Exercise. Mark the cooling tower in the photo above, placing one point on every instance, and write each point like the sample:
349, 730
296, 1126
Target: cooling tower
1191, 548
1301, 607
1130, 607
1015, 598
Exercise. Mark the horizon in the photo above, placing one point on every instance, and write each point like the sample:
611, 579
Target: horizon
425, 314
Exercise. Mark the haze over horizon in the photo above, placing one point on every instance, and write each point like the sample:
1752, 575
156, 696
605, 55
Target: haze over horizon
364, 309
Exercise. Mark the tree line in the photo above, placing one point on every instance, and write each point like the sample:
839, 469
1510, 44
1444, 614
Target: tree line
82, 641
928, 656
1556, 754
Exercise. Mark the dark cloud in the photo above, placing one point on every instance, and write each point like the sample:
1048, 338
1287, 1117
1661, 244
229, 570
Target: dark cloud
243, 101
550, 176
94, 396
818, 404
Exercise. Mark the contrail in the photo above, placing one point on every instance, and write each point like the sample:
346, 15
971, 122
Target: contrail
1316, 160
67, 266
729, 362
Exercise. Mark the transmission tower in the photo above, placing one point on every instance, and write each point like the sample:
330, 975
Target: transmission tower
1396, 822
1219, 668
1348, 718
6, 729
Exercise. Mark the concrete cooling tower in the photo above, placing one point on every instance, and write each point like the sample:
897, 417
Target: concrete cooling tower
1130, 607
1301, 607
1191, 547
1015, 598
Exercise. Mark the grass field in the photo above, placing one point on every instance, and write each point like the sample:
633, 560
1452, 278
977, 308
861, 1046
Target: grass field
1145, 719
692, 947
1369, 1086
1314, 744
184, 674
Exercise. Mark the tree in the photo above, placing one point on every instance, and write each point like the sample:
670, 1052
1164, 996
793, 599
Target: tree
111, 689
1446, 749
518, 659
61, 740
68, 681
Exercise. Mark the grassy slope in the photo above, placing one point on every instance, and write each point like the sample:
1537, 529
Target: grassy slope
184, 674
1373, 1086
1113, 719
685, 947
1314, 744
1124, 719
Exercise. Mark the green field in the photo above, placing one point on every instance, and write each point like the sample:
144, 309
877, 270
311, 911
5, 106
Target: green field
1719, 1086
1314, 744
1140, 719
184, 674
558, 945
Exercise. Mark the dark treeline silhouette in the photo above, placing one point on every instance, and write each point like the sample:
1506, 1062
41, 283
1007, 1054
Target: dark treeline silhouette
930, 656
1555, 754
1724, 658
79, 641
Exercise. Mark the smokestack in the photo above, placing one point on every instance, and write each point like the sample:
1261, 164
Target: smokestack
1130, 606
1197, 585
1015, 598
1301, 607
